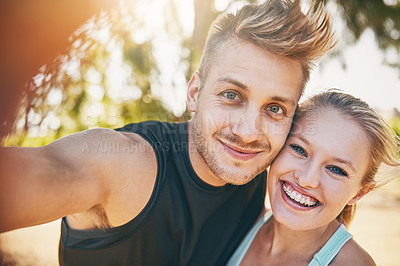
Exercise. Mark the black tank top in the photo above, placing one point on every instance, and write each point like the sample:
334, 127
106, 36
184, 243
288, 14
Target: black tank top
185, 222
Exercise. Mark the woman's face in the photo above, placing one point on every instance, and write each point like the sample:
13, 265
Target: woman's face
318, 171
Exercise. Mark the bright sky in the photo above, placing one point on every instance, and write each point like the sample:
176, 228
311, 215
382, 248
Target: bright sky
365, 76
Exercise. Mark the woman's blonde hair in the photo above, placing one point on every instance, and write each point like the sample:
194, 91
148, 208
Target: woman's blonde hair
382, 141
279, 27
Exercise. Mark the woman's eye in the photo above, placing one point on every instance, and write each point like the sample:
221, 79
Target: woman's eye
298, 149
337, 170
230, 95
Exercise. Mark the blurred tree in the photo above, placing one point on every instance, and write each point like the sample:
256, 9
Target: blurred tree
109, 75
32, 33
104, 79
381, 16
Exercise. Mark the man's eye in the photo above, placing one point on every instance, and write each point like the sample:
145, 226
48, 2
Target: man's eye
231, 95
276, 109
337, 170
298, 149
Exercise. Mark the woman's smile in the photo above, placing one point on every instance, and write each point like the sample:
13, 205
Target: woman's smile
298, 197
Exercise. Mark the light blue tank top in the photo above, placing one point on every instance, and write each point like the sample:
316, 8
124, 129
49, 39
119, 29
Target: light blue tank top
323, 257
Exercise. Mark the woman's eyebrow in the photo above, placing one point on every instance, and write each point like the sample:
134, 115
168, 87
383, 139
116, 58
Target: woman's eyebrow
348, 163
300, 137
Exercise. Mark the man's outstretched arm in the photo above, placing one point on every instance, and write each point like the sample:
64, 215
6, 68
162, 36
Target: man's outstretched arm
71, 175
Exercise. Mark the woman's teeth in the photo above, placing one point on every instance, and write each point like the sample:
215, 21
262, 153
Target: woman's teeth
298, 197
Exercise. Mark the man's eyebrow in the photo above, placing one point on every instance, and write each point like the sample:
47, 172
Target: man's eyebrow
287, 100
234, 82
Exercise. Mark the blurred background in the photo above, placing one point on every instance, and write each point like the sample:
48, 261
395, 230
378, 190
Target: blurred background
68, 67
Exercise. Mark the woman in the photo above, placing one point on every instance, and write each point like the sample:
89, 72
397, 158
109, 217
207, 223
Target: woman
329, 162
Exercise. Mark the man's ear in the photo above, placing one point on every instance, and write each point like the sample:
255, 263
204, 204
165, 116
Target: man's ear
360, 194
193, 91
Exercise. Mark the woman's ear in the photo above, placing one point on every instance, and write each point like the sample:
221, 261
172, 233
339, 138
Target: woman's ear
193, 91
360, 194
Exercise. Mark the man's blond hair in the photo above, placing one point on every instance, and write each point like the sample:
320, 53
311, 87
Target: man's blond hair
279, 27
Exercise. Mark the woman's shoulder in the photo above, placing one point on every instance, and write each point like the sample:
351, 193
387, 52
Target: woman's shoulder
352, 254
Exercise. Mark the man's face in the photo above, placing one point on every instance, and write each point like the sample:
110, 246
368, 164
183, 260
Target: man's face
243, 112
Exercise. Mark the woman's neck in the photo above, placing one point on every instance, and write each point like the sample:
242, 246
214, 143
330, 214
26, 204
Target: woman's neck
283, 242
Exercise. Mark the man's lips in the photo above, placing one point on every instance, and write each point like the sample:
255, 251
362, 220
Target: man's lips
239, 153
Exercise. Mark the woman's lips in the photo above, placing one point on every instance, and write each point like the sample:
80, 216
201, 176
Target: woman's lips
297, 199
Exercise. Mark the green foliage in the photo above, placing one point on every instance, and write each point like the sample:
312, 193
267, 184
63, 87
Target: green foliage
79, 92
138, 55
394, 122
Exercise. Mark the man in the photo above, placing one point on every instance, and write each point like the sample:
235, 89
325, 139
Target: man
184, 193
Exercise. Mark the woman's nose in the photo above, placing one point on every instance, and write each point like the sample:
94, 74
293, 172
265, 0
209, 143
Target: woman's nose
308, 176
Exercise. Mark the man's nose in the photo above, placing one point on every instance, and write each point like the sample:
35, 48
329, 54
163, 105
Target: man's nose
247, 125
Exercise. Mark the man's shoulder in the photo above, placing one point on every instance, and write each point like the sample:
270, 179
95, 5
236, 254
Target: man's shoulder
129, 167
163, 137
104, 141
106, 149
155, 128
152, 125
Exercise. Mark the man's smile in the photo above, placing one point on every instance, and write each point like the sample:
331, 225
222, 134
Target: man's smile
239, 152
